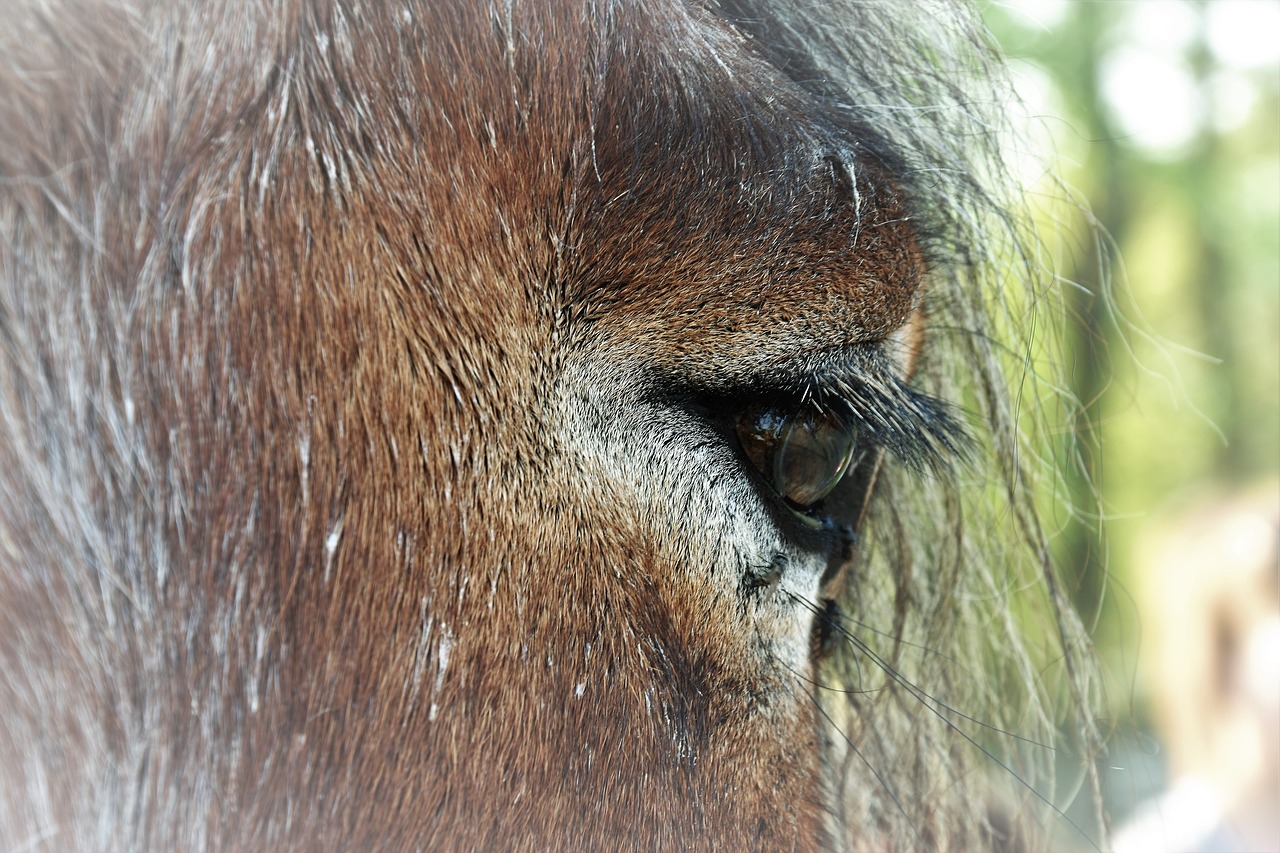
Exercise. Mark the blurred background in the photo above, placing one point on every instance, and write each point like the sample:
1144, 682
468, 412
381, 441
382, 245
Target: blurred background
1164, 118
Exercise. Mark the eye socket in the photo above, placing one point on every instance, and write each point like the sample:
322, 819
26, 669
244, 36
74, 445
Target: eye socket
802, 454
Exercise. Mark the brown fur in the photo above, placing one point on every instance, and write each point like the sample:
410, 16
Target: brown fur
347, 501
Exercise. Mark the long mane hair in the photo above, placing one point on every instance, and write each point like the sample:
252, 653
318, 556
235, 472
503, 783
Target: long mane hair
954, 602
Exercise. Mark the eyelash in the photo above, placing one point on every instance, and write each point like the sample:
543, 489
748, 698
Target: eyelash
803, 439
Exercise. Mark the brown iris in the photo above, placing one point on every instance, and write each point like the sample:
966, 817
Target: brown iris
802, 454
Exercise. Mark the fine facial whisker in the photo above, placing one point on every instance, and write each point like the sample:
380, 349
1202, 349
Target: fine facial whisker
921, 646
928, 699
940, 710
883, 782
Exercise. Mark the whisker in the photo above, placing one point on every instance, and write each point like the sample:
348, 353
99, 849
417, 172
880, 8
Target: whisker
889, 635
915, 688
884, 783
934, 705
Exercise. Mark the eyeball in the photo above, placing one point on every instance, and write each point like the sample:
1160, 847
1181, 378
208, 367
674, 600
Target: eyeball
802, 454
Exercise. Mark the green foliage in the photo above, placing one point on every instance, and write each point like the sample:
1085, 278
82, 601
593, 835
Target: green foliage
1176, 354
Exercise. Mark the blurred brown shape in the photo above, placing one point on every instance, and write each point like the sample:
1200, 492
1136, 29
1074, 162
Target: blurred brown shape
1209, 593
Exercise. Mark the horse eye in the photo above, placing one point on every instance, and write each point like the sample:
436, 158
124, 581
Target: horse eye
803, 454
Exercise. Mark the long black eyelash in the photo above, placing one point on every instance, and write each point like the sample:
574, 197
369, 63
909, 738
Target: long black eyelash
861, 392
922, 431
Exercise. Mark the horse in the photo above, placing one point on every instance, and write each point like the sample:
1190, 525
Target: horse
444, 424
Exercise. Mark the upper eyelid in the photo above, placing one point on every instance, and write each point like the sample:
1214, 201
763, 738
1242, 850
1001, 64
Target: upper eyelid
924, 432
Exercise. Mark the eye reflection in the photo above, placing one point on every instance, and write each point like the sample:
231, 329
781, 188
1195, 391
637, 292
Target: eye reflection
802, 454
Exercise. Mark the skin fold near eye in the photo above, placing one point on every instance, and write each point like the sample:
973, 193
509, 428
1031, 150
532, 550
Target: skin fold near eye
803, 455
